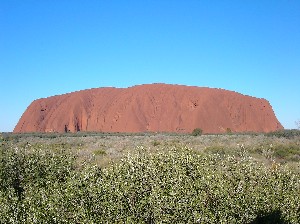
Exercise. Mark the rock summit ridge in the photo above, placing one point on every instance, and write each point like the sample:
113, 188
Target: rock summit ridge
149, 108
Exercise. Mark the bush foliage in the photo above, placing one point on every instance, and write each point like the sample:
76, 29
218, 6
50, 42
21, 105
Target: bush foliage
197, 132
45, 184
287, 133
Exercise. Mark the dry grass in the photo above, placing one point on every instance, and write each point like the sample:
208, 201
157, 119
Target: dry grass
105, 149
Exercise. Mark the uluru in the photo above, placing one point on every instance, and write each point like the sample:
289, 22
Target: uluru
149, 108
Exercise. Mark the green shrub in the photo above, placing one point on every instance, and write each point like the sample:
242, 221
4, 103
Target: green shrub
99, 152
155, 143
33, 165
216, 150
173, 185
287, 152
286, 133
197, 132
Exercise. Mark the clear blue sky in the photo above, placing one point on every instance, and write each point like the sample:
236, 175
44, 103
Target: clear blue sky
58, 46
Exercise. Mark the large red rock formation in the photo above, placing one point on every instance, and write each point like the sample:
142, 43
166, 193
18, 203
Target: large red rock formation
153, 108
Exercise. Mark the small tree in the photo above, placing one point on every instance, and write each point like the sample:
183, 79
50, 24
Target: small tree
228, 130
197, 132
297, 124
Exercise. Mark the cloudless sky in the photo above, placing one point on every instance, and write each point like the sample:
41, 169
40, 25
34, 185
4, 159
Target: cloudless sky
52, 47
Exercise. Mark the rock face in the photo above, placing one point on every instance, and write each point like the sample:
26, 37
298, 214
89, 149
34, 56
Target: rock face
153, 108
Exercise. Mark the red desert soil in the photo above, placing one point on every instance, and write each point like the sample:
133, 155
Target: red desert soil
151, 107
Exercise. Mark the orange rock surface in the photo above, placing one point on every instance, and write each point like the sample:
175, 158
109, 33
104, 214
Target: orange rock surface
152, 108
